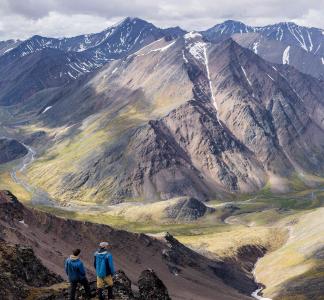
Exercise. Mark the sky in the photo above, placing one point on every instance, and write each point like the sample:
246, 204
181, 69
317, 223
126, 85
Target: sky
57, 18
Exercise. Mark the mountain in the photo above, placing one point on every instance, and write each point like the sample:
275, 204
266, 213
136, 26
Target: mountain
22, 77
114, 42
159, 124
50, 239
286, 43
182, 118
225, 30
129, 36
50, 62
6, 46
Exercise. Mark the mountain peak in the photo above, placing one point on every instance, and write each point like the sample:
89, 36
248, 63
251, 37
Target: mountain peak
230, 22
133, 21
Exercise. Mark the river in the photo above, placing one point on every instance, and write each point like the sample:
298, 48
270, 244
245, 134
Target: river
38, 197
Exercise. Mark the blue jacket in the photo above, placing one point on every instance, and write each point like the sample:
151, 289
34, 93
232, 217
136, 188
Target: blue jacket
103, 263
74, 269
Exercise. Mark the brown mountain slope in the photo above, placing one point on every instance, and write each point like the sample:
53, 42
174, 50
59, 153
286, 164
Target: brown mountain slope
181, 117
186, 274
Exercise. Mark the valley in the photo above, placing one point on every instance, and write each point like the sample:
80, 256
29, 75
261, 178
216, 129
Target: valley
203, 141
265, 219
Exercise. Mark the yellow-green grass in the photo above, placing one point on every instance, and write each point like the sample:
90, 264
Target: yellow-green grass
204, 226
67, 155
297, 256
7, 183
227, 242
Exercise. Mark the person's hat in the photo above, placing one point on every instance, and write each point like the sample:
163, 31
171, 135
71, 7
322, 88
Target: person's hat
103, 244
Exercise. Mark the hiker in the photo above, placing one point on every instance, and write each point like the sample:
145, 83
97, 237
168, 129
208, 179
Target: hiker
104, 265
74, 268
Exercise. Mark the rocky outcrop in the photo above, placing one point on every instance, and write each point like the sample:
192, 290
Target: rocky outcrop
187, 210
21, 270
10, 150
151, 287
123, 286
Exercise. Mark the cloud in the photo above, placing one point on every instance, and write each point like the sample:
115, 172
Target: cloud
23, 18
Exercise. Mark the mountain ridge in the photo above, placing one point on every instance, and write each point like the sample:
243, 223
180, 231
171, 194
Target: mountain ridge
184, 272
234, 123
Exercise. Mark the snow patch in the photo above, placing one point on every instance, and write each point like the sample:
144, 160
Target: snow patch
270, 77
298, 36
163, 48
322, 60
147, 46
285, 56
310, 42
192, 35
114, 70
197, 51
81, 48
8, 50
247, 79
255, 295
209, 80
46, 109
184, 57
23, 222
72, 75
255, 47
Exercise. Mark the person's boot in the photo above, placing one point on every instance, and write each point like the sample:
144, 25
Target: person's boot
110, 292
100, 294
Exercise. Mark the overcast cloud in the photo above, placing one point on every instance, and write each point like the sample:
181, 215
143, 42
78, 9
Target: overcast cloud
57, 18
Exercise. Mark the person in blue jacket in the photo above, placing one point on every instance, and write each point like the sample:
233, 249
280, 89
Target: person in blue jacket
104, 265
74, 269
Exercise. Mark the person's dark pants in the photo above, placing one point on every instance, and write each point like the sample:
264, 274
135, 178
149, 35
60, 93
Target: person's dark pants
74, 285
110, 293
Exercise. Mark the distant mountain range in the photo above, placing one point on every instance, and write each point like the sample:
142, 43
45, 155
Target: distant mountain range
286, 43
51, 62
138, 112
